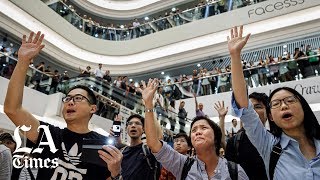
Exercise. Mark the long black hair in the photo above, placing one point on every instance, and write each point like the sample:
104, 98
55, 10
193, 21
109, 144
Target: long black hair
310, 122
216, 130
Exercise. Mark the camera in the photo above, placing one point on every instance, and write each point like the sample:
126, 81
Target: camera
116, 128
90, 149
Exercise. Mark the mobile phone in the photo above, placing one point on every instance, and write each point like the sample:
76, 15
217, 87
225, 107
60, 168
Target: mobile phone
90, 149
116, 128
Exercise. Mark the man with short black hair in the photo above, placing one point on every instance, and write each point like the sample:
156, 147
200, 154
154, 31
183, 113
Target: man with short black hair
182, 114
98, 72
55, 81
78, 107
199, 107
239, 148
107, 77
182, 144
7, 140
138, 161
234, 129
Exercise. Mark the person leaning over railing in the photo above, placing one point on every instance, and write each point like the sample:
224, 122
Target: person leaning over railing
293, 150
284, 74
314, 60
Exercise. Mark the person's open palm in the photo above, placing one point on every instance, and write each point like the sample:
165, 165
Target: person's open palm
222, 111
149, 90
236, 42
30, 48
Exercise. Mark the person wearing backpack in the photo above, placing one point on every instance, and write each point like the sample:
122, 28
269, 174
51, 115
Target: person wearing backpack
138, 162
205, 138
239, 148
182, 144
295, 142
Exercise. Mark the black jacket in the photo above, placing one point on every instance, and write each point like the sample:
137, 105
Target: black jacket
240, 150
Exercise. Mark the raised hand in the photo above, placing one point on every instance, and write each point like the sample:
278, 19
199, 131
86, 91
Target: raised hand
222, 111
118, 117
237, 42
148, 91
30, 48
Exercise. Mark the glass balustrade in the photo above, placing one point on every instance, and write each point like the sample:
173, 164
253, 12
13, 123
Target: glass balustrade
111, 98
128, 32
218, 81
35, 79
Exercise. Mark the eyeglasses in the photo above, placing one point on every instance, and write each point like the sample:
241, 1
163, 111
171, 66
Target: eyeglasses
278, 102
136, 123
75, 98
179, 140
258, 106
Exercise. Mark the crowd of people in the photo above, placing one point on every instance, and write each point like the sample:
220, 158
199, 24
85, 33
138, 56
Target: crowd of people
139, 28
291, 144
303, 63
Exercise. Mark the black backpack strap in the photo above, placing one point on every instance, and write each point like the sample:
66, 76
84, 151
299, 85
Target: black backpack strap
236, 143
186, 168
274, 157
147, 154
233, 170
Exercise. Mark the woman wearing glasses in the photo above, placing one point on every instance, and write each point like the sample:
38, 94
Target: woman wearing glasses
297, 133
205, 138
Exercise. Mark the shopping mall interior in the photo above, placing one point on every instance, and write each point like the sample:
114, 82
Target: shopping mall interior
181, 42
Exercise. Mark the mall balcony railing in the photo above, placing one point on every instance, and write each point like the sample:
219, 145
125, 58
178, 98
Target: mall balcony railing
110, 100
131, 101
276, 72
173, 19
35, 79
167, 115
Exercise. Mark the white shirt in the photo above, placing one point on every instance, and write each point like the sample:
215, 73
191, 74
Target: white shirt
135, 24
98, 73
234, 130
5, 163
160, 97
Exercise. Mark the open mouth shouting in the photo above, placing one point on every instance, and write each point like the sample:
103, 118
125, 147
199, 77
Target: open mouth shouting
287, 116
70, 111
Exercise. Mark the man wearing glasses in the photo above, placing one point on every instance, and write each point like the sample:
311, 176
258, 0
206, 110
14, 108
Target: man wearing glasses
182, 144
239, 149
138, 161
78, 108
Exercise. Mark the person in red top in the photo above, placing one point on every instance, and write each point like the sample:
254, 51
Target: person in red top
182, 144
